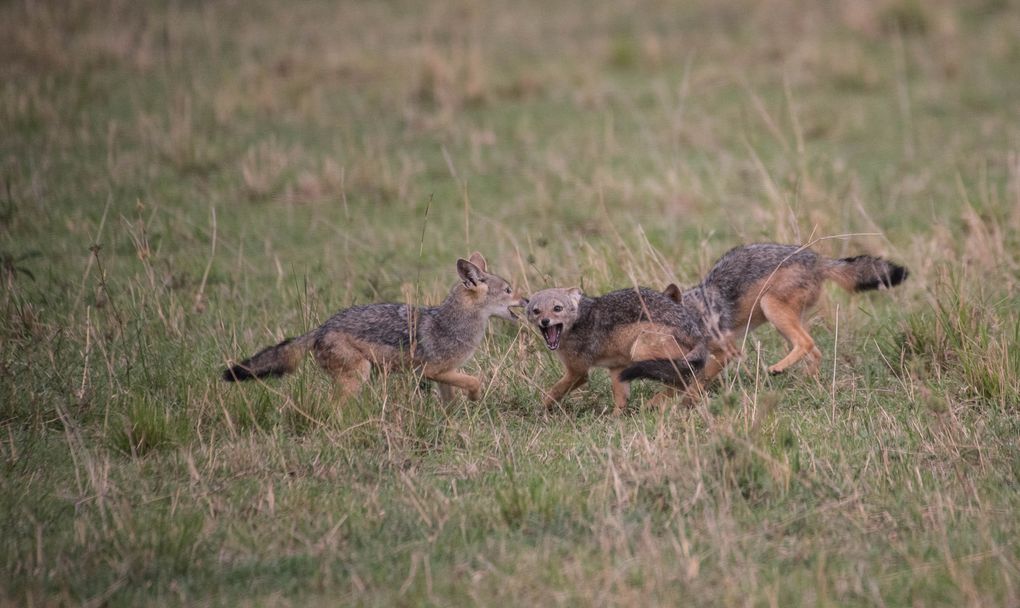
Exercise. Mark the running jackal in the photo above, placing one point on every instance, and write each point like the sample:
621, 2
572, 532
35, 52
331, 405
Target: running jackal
774, 283
434, 341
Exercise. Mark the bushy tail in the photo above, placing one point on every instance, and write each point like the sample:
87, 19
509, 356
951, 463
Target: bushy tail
674, 372
864, 272
273, 361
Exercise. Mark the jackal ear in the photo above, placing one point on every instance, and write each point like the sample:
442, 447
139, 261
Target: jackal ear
469, 273
479, 261
673, 293
575, 293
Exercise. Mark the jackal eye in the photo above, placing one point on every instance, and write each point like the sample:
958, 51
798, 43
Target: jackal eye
536, 311
508, 290
557, 308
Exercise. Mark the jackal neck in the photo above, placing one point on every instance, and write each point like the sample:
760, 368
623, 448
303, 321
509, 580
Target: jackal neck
585, 308
457, 315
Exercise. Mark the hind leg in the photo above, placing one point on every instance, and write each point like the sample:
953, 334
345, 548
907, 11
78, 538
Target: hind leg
787, 317
621, 391
351, 379
344, 363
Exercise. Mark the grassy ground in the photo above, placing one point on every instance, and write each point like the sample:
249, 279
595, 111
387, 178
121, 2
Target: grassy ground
184, 183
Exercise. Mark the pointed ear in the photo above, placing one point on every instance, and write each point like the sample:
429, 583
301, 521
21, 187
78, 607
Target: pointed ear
574, 293
479, 261
673, 293
469, 273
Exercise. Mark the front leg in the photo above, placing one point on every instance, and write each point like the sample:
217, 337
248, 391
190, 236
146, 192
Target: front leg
621, 391
721, 352
571, 379
469, 384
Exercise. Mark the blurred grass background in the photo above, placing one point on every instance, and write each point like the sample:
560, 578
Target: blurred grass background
183, 183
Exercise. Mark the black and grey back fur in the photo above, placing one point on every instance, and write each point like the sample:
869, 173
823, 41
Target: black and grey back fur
599, 317
762, 282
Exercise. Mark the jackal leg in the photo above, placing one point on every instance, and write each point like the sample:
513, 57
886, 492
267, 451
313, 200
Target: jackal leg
350, 377
712, 368
453, 377
469, 384
719, 355
445, 392
344, 363
788, 320
662, 399
571, 380
686, 397
721, 352
621, 391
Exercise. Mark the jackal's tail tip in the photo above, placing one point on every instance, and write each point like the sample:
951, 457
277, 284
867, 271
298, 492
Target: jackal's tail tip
269, 362
897, 274
867, 273
237, 373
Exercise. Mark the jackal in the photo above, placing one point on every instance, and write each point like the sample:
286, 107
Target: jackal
614, 331
434, 341
752, 284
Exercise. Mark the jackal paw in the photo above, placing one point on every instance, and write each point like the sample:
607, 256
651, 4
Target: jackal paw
475, 394
775, 370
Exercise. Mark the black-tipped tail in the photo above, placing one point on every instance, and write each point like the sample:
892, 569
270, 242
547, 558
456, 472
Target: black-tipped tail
865, 272
674, 372
241, 372
269, 362
237, 373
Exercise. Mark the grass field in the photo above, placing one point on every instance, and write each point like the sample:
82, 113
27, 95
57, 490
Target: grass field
186, 182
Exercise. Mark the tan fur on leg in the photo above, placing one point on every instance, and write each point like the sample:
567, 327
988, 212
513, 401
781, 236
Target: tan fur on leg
469, 384
571, 380
621, 391
787, 320
664, 398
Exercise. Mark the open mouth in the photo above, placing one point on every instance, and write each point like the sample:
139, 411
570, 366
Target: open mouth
552, 335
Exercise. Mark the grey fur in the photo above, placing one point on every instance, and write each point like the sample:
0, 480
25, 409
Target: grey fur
442, 337
442, 332
741, 267
597, 317
594, 319
744, 270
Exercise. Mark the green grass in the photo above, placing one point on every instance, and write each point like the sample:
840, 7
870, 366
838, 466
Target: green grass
183, 183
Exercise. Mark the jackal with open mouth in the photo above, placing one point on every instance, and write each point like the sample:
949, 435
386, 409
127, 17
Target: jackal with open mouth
616, 330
